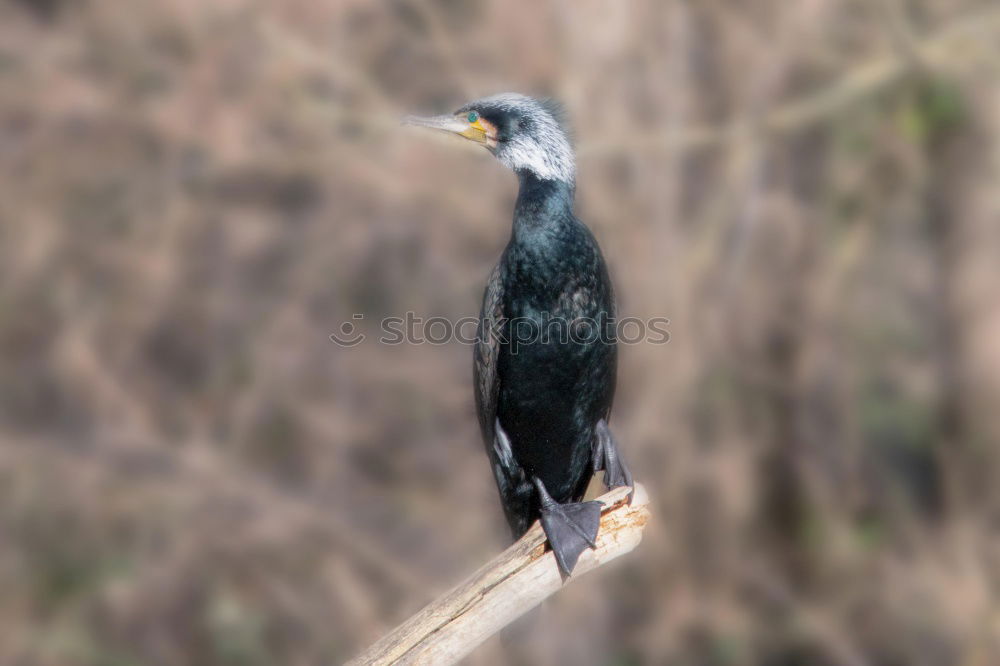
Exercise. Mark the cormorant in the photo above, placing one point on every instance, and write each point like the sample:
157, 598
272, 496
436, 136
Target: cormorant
545, 356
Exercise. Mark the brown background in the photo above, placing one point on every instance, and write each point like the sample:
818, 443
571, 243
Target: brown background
194, 195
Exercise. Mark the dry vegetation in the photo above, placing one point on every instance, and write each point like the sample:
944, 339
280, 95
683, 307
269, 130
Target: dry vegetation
193, 195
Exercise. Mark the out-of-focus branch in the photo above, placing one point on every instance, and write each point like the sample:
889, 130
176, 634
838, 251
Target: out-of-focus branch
950, 47
453, 625
444, 45
968, 40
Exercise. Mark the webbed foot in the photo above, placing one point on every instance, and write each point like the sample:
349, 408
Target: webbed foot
571, 528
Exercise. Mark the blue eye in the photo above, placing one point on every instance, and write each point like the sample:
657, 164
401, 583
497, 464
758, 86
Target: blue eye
473, 116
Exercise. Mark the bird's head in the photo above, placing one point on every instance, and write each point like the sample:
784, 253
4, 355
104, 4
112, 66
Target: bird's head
525, 134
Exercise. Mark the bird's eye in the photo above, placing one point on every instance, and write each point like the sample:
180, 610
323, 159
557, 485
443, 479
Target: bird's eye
473, 116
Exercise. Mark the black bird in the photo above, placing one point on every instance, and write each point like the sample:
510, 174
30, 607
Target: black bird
545, 357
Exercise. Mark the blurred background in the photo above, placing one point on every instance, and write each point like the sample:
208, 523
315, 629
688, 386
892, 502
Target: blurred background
195, 195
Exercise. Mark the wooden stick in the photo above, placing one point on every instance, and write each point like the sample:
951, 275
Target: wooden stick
516, 581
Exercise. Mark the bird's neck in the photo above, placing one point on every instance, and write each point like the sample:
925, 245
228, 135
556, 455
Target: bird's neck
542, 203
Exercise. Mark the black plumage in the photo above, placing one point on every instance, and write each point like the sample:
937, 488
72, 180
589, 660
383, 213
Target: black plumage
545, 358
547, 394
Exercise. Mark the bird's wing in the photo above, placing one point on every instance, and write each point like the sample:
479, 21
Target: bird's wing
486, 353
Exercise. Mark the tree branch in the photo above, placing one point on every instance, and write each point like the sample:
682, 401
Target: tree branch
971, 39
516, 581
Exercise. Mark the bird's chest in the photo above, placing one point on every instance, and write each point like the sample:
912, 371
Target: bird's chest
554, 280
555, 307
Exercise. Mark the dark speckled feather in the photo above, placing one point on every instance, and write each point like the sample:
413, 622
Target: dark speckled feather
545, 357
547, 394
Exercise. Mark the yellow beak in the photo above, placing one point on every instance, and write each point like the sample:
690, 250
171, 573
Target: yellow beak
452, 124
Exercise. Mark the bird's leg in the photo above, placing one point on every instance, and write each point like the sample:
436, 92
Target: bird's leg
608, 457
570, 528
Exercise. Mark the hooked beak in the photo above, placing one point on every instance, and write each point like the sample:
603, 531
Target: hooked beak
452, 124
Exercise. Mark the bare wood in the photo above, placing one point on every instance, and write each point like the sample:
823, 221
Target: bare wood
516, 581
